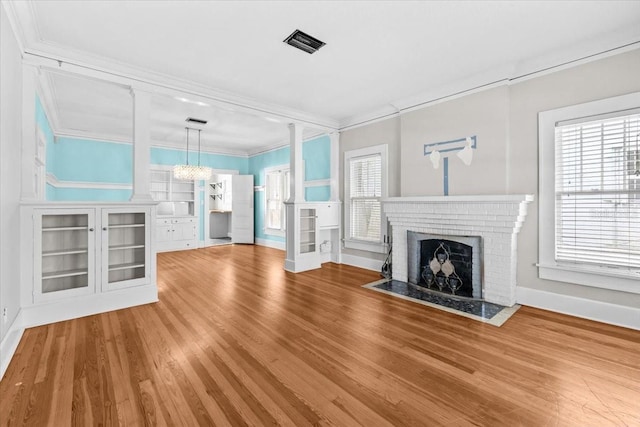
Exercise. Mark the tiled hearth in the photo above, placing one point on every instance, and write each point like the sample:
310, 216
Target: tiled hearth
496, 218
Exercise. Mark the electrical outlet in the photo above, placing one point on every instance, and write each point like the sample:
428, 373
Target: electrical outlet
4, 314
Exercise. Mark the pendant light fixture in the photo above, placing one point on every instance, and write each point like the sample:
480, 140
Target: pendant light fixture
191, 172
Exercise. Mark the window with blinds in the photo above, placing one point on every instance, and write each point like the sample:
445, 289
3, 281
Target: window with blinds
276, 192
365, 192
597, 191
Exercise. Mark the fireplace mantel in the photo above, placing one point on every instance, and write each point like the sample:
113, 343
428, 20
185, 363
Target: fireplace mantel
491, 198
496, 218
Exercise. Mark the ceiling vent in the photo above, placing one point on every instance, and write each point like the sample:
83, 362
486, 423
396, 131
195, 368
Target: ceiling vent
304, 41
196, 121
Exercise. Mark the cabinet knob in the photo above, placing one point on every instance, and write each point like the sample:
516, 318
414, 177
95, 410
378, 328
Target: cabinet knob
91, 229
104, 228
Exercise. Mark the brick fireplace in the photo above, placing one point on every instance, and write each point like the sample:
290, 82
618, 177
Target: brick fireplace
497, 219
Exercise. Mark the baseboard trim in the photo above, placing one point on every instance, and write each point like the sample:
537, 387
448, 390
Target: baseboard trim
9, 343
270, 244
73, 308
362, 262
619, 315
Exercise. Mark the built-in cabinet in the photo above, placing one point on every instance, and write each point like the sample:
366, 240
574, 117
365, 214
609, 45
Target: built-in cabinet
126, 253
64, 253
316, 233
79, 251
176, 222
176, 233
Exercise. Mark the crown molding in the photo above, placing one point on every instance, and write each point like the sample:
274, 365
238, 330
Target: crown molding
506, 75
17, 18
117, 139
282, 144
23, 18
47, 92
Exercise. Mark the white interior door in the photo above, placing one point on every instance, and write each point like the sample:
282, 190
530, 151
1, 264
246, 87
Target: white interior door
242, 209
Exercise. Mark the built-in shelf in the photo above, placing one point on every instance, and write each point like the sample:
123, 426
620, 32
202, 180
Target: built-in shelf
127, 266
124, 247
63, 273
64, 252
63, 228
126, 226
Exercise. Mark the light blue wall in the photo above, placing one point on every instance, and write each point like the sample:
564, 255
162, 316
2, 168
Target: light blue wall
168, 156
316, 154
80, 160
257, 165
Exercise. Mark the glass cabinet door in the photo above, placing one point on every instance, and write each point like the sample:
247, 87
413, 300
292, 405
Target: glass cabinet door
125, 248
64, 253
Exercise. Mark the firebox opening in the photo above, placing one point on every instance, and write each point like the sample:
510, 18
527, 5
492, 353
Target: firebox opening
447, 264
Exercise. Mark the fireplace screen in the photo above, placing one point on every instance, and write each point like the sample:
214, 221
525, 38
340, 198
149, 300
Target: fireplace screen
449, 264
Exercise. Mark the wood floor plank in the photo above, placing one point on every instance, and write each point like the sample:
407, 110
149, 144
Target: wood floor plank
236, 340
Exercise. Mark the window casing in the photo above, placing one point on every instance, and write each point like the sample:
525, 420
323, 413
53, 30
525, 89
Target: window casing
365, 186
277, 187
589, 220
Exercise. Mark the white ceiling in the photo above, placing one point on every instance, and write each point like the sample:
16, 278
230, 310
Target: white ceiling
380, 56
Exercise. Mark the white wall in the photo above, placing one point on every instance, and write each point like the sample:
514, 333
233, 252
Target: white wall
482, 114
505, 121
10, 134
613, 76
383, 132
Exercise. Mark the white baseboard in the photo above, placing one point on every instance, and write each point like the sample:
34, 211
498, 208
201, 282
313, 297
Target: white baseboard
271, 243
73, 308
362, 262
619, 315
9, 343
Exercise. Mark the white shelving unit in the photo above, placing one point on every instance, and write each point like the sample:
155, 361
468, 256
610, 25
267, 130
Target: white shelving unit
302, 250
64, 260
308, 228
84, 251
176, 221
125, 239
316, 235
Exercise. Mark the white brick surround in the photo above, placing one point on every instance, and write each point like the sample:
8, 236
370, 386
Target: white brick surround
497, 218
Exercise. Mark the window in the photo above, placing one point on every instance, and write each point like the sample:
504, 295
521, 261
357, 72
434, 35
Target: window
276, 193
365, 186
590, 194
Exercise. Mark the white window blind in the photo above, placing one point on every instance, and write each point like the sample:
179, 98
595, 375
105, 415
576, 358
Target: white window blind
365, 192
276, 192
597, 191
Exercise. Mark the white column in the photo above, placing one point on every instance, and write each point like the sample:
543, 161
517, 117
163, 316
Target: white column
28, 145
297, 179
141, 144
335, 166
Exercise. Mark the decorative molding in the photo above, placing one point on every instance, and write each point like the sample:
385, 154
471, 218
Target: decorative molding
317, 183
614, 314
495, 78
9, 343
271, 244
55, 182
362, 262
283, 144
73, 308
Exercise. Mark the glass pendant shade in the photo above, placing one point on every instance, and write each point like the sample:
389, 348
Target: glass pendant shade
192, 172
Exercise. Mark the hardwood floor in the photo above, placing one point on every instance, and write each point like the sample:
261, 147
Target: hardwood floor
235, 340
